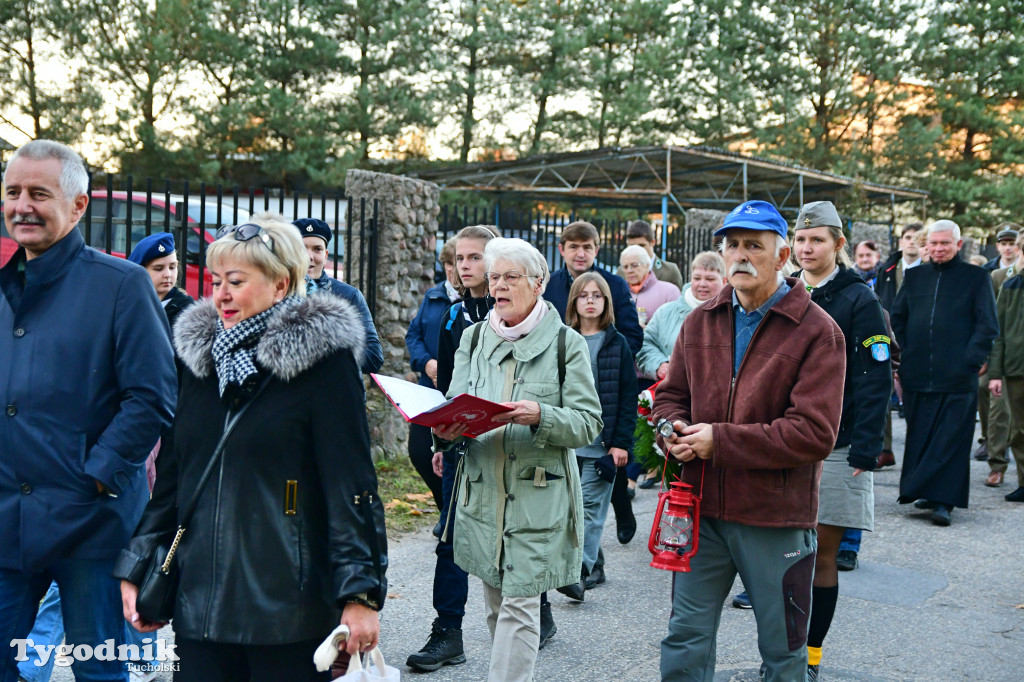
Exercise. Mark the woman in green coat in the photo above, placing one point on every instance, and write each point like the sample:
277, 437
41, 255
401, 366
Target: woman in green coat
519, 507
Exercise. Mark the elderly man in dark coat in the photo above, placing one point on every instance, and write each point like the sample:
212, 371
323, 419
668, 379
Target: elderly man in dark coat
944, 318
88, 382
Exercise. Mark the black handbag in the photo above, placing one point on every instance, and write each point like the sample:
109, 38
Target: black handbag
159, 588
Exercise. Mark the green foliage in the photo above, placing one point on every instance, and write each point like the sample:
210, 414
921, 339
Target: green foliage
295, 92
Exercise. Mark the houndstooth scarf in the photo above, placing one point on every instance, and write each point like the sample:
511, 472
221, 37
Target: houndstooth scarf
234, 349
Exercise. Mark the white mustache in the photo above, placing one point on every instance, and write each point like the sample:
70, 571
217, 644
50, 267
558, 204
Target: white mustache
20, 218
742, 267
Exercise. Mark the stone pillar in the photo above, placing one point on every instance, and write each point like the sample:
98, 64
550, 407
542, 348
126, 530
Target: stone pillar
407, 216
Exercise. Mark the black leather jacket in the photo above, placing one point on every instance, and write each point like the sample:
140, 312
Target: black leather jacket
278, 542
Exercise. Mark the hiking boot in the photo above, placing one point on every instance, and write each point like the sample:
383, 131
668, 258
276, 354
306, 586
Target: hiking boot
547, 625
443, 648
846, 560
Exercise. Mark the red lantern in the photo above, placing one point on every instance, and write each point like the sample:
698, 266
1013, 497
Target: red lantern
676, 528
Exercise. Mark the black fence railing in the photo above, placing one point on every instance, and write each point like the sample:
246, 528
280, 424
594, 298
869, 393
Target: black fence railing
544, 229
122, 211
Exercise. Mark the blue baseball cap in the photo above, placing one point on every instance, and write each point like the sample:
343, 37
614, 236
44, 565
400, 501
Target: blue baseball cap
755, 215
156, 245
314, 227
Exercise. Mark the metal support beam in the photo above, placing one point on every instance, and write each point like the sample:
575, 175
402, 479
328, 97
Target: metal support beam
801, 177
744, 182
664, 224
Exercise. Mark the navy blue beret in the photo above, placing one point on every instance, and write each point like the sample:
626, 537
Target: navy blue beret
156, 245
313, 227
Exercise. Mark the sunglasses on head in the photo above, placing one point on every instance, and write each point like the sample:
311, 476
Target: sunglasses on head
244, 233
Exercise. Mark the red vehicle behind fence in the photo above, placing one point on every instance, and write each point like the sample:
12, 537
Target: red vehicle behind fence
159, 216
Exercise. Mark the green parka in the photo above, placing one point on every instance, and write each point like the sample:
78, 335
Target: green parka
518, 506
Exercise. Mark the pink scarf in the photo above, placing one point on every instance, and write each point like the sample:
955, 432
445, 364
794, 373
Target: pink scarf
520, 330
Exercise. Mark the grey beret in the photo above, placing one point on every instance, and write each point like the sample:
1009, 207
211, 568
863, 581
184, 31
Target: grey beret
818, 214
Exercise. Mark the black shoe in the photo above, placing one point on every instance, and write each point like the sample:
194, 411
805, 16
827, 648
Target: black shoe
981, 454
574, 591
925, 504
595, 578
438, 529
647, 483
1016, 496
941, 516
443, 648
547, 625
742, 601
631, 493
625, 527
846, 560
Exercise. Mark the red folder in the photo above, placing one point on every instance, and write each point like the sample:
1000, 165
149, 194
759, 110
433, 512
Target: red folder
428, 406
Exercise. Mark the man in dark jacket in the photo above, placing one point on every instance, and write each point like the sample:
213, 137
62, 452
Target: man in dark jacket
579, 244
1006, 363
316, 236
754, 393
892, 272
944, 319
88, 379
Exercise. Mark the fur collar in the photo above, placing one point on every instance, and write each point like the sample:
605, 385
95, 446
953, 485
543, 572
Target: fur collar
297, 337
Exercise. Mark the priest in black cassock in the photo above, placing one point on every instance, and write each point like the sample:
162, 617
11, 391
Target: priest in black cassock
944, 318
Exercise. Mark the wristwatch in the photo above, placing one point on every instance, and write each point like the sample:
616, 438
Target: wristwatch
363, 599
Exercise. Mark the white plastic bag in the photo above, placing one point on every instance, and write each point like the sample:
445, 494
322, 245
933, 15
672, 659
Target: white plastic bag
377, 671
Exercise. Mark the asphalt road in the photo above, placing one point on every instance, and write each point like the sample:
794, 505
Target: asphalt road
927, 603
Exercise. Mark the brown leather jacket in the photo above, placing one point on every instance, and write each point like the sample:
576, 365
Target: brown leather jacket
774, 423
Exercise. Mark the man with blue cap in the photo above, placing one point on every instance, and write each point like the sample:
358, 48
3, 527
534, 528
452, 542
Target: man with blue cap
316, 235
753, 394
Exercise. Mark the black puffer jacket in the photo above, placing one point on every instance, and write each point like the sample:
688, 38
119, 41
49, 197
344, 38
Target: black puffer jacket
617, 388
257, 565
855, 308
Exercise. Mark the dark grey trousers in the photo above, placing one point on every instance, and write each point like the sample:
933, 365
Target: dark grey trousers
777, 568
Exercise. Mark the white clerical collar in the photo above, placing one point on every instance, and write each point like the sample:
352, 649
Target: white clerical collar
832, 275
907, 266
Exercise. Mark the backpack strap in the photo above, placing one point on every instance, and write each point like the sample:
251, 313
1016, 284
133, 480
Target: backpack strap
453, 313
477, 331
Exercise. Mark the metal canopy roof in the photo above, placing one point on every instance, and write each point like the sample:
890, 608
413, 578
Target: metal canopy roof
686, 177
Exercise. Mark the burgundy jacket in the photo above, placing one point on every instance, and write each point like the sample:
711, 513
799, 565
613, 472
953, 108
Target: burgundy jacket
774, 422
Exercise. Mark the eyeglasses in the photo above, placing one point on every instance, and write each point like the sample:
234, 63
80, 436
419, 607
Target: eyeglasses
596, 298
511, 277
244, 233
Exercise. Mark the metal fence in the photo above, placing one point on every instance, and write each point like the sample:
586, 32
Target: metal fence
543, 230
122, 211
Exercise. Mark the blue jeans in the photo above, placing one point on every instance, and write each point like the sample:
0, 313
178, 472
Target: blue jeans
49, 629
597, 496
451, 583
91, 611
851, 540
